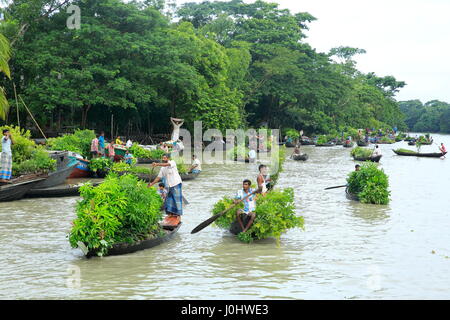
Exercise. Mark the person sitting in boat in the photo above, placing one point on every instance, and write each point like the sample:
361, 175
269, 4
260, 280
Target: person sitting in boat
376, 152
249, 205
6, 157
128, 158
174, 200
252, 155
297, 149
162, 191
263, 179
118, 141
129, 143
196, 165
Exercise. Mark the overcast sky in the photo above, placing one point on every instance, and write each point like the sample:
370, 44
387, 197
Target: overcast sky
408, 39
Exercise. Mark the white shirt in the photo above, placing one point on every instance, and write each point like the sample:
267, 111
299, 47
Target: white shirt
252, 154
376, 152
171, 174
198, 163
129, 144
6, 145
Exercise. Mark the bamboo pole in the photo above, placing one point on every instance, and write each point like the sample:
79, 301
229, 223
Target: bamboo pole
32, 117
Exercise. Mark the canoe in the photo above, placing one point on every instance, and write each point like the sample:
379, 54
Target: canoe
418, 154
235, 227
373, 159
348, 144
289, 145
55, 178
15, 191
307, 142
81, 169
339, 143
302, 157
63, 190
147, 160
351, 196
125, 248
329, 144
362, 143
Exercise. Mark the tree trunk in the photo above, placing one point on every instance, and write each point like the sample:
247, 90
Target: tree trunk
84, 113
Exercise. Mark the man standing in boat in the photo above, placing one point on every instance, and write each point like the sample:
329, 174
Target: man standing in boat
249, 205
442, 149
174, 200
101, 144
6, 157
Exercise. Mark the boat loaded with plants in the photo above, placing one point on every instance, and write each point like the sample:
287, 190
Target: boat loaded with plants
100, 166
364, 154
324, 141
411, 153
368, 185
144, 155
121, 215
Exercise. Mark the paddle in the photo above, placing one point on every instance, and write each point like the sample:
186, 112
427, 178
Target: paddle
207, 222
335, 187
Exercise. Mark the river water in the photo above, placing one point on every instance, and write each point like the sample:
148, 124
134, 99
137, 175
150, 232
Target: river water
348, 250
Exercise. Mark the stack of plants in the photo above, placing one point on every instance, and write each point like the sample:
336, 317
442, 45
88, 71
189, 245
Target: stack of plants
26, 156
100, 166
292, 133
139, 152
275, 214
386, 140
405, 150
181, 167
120, 210
238, 152
79, 142
400, 137
370, 184
123, 168
360, 152
323, 139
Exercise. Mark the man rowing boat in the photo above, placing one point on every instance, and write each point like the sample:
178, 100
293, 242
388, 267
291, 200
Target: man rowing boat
174, 199
443, 150
249, 205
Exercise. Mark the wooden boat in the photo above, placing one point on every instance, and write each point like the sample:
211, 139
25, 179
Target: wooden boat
290, 145
147, 160
81, 169
373, 159
409, 138
55, 178
351, 196
189, 176
348, 144
329, 144
302, 157
362, 143
63, 190
418, 154
16, 190
339, 142
125, 248
235, 227
411, 143
307, 142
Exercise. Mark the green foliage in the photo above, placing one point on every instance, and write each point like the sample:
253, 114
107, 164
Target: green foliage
323, 139
139, 152
100, 164
386, 140
121, 167
181, 167
79, 142
360, 152
275, 214
370, 184
39, 162
293, 134
238, 152
405, 150
121, 209
433, 116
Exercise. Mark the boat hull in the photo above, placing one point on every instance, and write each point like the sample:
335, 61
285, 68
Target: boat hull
55, 178
126, 248
373, 159
417, 154
351, 196
81, 169
17, 191
300, 157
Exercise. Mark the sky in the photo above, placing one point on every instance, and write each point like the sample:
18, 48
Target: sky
407, 39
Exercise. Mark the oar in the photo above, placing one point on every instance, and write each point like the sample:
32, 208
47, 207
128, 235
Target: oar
207, 222
335, 187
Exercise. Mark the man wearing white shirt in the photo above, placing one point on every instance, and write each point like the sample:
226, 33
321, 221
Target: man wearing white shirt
376, 152
196, 165
174, 200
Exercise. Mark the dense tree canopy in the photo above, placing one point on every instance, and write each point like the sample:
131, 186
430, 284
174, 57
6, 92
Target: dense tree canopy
229, 64
433, 116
